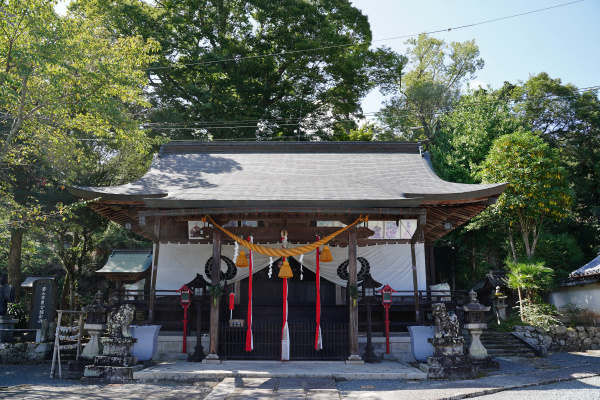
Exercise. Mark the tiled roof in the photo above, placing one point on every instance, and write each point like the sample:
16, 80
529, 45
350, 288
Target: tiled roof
127, 262
370, 174
591, 268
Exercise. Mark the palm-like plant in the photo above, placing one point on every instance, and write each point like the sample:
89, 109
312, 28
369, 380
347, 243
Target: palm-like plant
529, 277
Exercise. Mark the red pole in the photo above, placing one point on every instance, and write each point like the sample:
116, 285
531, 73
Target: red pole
185, 321
387, 328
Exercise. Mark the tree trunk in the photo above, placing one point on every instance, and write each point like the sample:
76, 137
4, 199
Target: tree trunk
14, 261
511, 239
65, 291
520, 304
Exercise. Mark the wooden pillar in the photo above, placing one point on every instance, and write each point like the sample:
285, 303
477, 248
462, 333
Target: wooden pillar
213, 356
151, 313
415, 282
413, 241
429, 264
352, 306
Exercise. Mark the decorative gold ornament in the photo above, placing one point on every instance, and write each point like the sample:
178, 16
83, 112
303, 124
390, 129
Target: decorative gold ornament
242, 260
325, 255
285, 271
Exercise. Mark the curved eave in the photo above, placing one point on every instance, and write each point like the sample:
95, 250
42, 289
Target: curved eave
90, 193
491, 191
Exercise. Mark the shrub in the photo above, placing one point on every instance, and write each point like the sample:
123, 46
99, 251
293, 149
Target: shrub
571, 311
19, 311
540, 315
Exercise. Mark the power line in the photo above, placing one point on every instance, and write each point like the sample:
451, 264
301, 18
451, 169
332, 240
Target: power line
232, 124
358, 44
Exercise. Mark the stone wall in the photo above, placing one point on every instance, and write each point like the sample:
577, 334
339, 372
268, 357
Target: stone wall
561, 338
25, 353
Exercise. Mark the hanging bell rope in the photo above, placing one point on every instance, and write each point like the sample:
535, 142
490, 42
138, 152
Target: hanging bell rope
273, 252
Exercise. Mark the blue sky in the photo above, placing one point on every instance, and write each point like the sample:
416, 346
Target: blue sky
563, 41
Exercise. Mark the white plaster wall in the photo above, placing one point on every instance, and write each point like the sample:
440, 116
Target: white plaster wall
584, 296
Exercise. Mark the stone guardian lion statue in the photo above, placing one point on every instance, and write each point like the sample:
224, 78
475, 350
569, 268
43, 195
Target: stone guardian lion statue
119, 321
446, 325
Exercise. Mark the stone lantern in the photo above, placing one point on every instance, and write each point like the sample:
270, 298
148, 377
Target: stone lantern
500, 305
368, 296
475, 316
95, 323
200, 287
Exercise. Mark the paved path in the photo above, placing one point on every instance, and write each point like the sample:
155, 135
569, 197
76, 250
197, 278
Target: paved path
275, 388
562, 376
584, 389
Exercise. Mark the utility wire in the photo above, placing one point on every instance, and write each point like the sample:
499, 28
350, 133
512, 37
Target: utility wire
481, 104
358, 44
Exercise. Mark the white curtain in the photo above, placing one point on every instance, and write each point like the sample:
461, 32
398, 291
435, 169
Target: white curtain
389, 264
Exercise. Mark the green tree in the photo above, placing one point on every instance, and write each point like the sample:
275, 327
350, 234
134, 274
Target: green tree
538, 188
465, 136
254, 69
569, 119
63, 80
561, 252
436, 72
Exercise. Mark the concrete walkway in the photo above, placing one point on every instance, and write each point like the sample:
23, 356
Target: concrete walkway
315, 381
187, 372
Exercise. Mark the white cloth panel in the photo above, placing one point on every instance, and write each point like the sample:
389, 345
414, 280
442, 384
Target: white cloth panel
390, 264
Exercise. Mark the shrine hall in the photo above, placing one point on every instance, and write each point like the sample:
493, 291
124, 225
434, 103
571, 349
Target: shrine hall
273, 241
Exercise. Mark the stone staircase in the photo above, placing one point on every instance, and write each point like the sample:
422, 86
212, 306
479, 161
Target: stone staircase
501, 344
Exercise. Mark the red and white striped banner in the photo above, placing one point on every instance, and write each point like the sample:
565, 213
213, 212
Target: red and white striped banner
249, 338
285, 333
318, 336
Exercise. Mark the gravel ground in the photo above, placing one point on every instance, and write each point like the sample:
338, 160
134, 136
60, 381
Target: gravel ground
12, 375
33, 382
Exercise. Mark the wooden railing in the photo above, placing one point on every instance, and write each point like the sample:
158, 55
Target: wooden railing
168, 310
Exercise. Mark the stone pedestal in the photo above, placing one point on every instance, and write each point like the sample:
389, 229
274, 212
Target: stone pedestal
355, 359
7, 322
501, 312
448, 360
94, 347
476, 350
211, 359
115, 365
117, 346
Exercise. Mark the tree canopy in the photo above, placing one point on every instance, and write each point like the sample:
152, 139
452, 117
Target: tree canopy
249, 69
430, 86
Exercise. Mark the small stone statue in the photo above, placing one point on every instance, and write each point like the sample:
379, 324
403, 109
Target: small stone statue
446, 325
118, 322
7, 295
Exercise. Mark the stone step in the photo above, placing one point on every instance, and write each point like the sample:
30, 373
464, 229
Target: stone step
500, 344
